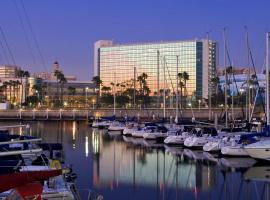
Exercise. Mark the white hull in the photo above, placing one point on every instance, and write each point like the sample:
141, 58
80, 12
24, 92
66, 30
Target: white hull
175, 140
195, 142
138, 134
259, 153
211, 147
154, 136
259, 150
129, 131
234, 151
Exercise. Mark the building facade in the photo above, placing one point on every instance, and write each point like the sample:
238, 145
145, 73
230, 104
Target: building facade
116, 63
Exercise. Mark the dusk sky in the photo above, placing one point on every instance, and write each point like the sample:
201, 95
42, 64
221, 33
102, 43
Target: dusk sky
67, 29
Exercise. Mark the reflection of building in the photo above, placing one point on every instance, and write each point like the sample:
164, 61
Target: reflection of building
117, 63
121, 163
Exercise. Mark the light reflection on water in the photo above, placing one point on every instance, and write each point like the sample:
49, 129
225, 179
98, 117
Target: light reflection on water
128, 168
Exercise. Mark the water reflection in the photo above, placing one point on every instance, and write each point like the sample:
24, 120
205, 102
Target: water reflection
131, 168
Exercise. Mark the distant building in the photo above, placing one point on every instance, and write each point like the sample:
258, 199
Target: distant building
9, 71
117, 63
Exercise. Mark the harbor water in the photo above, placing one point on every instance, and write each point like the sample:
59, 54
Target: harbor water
119, 167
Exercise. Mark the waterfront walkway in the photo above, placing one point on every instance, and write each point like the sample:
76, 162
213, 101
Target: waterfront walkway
84, 114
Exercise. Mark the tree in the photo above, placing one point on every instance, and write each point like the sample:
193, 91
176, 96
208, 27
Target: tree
32, 100
61, 79
144, 90
21, 74
97, 82
72, 92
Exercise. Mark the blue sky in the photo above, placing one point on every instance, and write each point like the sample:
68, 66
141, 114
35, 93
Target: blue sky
67, 29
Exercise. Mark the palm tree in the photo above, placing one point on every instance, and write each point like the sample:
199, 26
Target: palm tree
72, 92
97, 82
185, 79
21, 74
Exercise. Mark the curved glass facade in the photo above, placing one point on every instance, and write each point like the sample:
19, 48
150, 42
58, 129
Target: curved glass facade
116, 64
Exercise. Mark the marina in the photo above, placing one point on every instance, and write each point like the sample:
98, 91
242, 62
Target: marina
116, 166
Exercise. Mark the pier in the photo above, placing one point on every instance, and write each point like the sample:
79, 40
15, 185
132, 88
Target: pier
85, 114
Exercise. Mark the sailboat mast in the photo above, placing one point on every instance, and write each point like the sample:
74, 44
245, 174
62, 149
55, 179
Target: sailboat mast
248, 80
177, 91
164, 93
209, 84
134, 89
226, 78
267, 81
158, 92
114, 97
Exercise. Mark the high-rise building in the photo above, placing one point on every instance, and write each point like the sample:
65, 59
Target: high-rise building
9, 71
117, 63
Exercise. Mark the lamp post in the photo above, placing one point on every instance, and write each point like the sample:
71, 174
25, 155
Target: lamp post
93, 103
86, 96
199, 104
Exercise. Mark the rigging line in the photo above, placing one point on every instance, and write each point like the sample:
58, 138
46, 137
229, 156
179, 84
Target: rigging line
4, 52
257, 82
24, 32
166, 64
34, 36
8, 48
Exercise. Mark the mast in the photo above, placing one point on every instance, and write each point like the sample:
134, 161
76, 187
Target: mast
164, 93
267, 81
226, 79
177, 92
114, 97
134, 89
248, 79
209, 84
158, 92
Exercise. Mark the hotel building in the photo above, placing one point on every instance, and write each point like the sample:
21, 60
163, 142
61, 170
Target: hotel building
118, 63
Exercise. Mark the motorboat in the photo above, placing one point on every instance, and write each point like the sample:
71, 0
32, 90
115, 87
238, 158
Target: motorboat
177, 139
130, 128
116, 126
237, 146
146, 129
101, 124
259, 150
200, 138
160, 132
215, 144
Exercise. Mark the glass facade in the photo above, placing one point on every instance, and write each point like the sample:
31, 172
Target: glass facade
116, 64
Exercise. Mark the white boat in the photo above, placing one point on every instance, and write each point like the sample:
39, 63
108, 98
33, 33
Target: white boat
201, 137
216, 144
156, 133
177, 139
147, 129
116, 126
130, 128
234, 150
101, 124
259, 150
196, 142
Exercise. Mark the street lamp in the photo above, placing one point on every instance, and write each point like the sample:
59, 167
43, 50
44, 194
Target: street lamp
86, 96
199, 104
93, 103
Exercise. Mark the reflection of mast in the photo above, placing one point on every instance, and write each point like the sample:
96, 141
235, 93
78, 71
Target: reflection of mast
134, 170
157, 177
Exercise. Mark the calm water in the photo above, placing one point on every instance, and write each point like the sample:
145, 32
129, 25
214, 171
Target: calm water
126, 168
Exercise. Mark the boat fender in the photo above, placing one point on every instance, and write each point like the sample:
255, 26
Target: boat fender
56, 164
